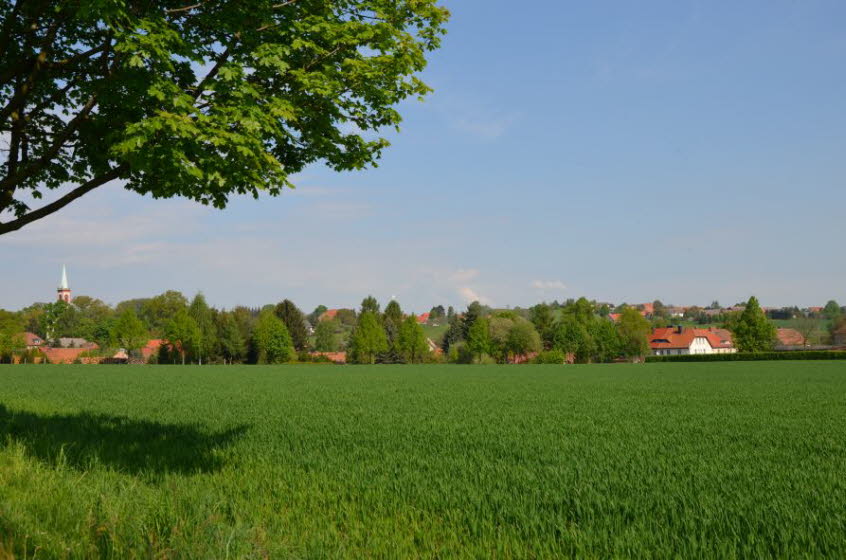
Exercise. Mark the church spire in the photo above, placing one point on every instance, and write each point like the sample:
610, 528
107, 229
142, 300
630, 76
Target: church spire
64, 289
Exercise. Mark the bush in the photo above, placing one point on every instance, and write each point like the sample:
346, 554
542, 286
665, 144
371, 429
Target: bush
550, 357
460, 354
305, 357
752, 356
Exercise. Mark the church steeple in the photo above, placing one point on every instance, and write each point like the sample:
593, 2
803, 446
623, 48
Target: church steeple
64, 290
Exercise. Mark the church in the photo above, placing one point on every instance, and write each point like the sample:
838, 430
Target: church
64, 291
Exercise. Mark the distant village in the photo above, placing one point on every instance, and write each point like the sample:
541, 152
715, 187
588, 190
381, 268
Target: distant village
34, 336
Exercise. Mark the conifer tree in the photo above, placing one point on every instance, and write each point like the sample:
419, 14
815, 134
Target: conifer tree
370, 304
392, 321
294, 321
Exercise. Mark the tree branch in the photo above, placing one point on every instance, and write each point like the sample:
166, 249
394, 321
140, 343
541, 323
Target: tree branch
183, 8
221, 60
57, 205
6, 32
14, 178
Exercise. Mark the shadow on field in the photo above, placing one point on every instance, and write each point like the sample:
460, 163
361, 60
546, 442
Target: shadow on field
131, 446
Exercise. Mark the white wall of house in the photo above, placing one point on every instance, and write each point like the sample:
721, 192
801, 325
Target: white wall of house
700, 345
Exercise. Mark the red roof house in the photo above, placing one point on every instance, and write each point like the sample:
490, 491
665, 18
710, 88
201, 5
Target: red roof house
423, 318
152, 347
328, 315
790, 337
32, 340
62, 355
685, 340
337, 357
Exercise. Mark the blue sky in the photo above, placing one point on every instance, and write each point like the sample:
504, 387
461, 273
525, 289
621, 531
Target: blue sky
624, 151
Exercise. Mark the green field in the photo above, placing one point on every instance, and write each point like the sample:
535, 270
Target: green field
743, 459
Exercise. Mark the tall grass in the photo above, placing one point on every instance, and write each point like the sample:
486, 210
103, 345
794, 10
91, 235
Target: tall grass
659, 460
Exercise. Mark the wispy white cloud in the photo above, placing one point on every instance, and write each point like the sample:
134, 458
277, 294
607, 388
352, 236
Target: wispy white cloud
548, 285
463, 275
470, 295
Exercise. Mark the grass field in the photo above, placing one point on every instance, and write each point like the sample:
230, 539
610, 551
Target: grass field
744, 459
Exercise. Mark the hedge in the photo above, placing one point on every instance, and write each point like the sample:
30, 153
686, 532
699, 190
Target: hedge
753, 356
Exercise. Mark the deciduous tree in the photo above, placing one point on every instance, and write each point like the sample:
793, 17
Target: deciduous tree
543, 319
479, 339
271, 342
367, 339
523, 339
753, 332
633, 330
129, 332
203, 315
832, 310
325, 340
411, 341
183, 334
232, 346
202, 100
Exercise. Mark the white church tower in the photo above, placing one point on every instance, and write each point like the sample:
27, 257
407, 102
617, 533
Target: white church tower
64, 290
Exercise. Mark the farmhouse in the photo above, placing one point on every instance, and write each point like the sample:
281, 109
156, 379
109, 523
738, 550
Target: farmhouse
680, 340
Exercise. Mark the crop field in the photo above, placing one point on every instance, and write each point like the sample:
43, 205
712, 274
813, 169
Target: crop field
686, 460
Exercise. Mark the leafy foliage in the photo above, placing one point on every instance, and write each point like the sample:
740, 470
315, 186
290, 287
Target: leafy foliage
752, 331
294, 321
201, 100
325, 340
411, 342
367, 339
129, 331
183, 336
271, 343
479, 338
634, 331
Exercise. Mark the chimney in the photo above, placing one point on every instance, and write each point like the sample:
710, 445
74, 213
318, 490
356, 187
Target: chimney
679, 329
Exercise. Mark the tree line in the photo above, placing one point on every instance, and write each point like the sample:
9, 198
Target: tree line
194, 332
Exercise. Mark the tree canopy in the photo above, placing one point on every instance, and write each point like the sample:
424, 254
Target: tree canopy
199, 99
294, 321
751, 330
367, 339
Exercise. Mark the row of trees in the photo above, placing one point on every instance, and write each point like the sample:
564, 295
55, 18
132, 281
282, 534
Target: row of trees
576, 331
386, 337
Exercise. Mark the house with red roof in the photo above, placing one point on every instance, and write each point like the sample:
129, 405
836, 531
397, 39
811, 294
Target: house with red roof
669, 341
423, 318
328, 315
62, 355
335, 357
32, 340
151, 348
789, 337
